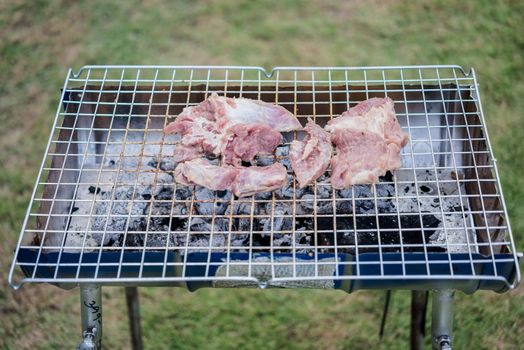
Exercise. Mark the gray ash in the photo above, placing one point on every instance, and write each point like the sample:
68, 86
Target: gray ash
121, 214
208, 202
158, 214
164, 164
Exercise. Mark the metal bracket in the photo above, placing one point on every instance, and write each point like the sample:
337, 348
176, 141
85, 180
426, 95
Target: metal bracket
443, 342
89, 340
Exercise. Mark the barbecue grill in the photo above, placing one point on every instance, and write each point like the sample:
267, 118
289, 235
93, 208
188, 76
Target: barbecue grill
106, 211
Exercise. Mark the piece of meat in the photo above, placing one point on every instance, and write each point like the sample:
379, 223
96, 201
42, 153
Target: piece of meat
257, 179
184, 153
248, 111
199, 136
242, 142
362, 157
368, 139
244, 181
204, 127
201, 172
310, 157
376, 115
206, 110
217, 112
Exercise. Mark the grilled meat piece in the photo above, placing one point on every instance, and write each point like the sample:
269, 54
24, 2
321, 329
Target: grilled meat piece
246, 111
203, 173
310, 157
225, 110
376, 115
244, 181
257, 179
368, 139
242, 142
204, 127
184, 153
362, 157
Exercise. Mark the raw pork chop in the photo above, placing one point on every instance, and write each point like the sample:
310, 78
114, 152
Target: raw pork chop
202, 172
362, 157
204, 127
242, 142
226, 110
376, 115
184, 153
244, 181
256, 179
310, 157
199, 136
368, 138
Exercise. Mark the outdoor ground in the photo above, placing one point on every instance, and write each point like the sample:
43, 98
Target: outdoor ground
39, 41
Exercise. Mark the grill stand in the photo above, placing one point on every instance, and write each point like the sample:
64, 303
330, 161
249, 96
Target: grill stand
442, 322
91, 314
444, 110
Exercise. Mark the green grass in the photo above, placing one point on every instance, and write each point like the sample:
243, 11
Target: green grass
39, 41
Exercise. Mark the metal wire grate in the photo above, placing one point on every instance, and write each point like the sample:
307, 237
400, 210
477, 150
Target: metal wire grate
105, 208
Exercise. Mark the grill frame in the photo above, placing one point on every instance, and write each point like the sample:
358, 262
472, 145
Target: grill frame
508, 278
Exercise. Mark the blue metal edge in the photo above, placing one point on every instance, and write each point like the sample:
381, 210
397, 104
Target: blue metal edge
369, 266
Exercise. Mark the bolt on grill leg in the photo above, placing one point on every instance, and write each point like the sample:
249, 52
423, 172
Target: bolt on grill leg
91, 314
442, 322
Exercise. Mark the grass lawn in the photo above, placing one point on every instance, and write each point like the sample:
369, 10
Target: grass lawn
40, 40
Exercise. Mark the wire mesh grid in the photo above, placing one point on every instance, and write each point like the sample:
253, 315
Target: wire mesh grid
106, 209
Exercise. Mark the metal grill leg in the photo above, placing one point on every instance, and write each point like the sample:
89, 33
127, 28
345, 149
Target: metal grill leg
418, 319
442, 322
133, 310
91, 313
